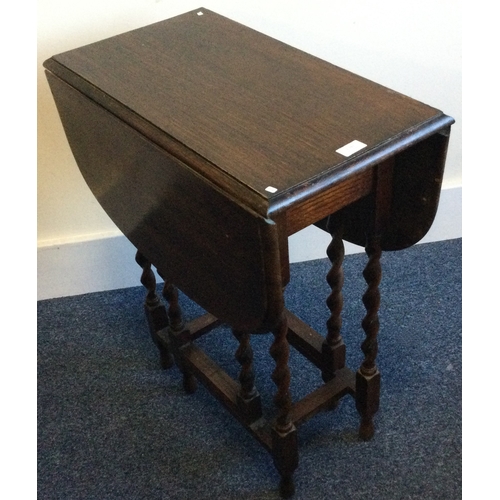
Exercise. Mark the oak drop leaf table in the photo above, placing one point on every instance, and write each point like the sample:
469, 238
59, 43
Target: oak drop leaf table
208, 144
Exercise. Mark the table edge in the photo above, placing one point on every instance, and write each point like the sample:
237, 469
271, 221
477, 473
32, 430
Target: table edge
363, 161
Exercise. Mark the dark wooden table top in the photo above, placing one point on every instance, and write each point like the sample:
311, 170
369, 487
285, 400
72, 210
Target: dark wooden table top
263, 113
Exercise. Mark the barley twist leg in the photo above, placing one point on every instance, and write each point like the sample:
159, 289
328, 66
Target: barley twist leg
368, 376
333, 349
284, 433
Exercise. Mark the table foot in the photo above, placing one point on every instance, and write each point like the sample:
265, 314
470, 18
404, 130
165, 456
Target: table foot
287, 487
367, 402
286, 458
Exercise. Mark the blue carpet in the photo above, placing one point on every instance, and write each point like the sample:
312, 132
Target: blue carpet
113, 425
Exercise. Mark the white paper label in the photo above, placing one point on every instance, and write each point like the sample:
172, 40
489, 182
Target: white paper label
271, 189
351, 148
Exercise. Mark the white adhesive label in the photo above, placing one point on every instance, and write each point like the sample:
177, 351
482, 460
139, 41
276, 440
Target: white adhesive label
271, 189
351, 148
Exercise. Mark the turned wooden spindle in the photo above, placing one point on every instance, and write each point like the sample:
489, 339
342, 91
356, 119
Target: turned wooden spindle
155, 311
333, 348
249, 400
368, 376
148, 280
280, 352
284, 433
174, 311
176, 327
244, 356
371, 300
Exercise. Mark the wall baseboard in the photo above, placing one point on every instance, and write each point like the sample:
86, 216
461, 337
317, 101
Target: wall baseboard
108, 263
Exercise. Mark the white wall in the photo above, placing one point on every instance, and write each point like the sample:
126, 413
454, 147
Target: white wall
413, 47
